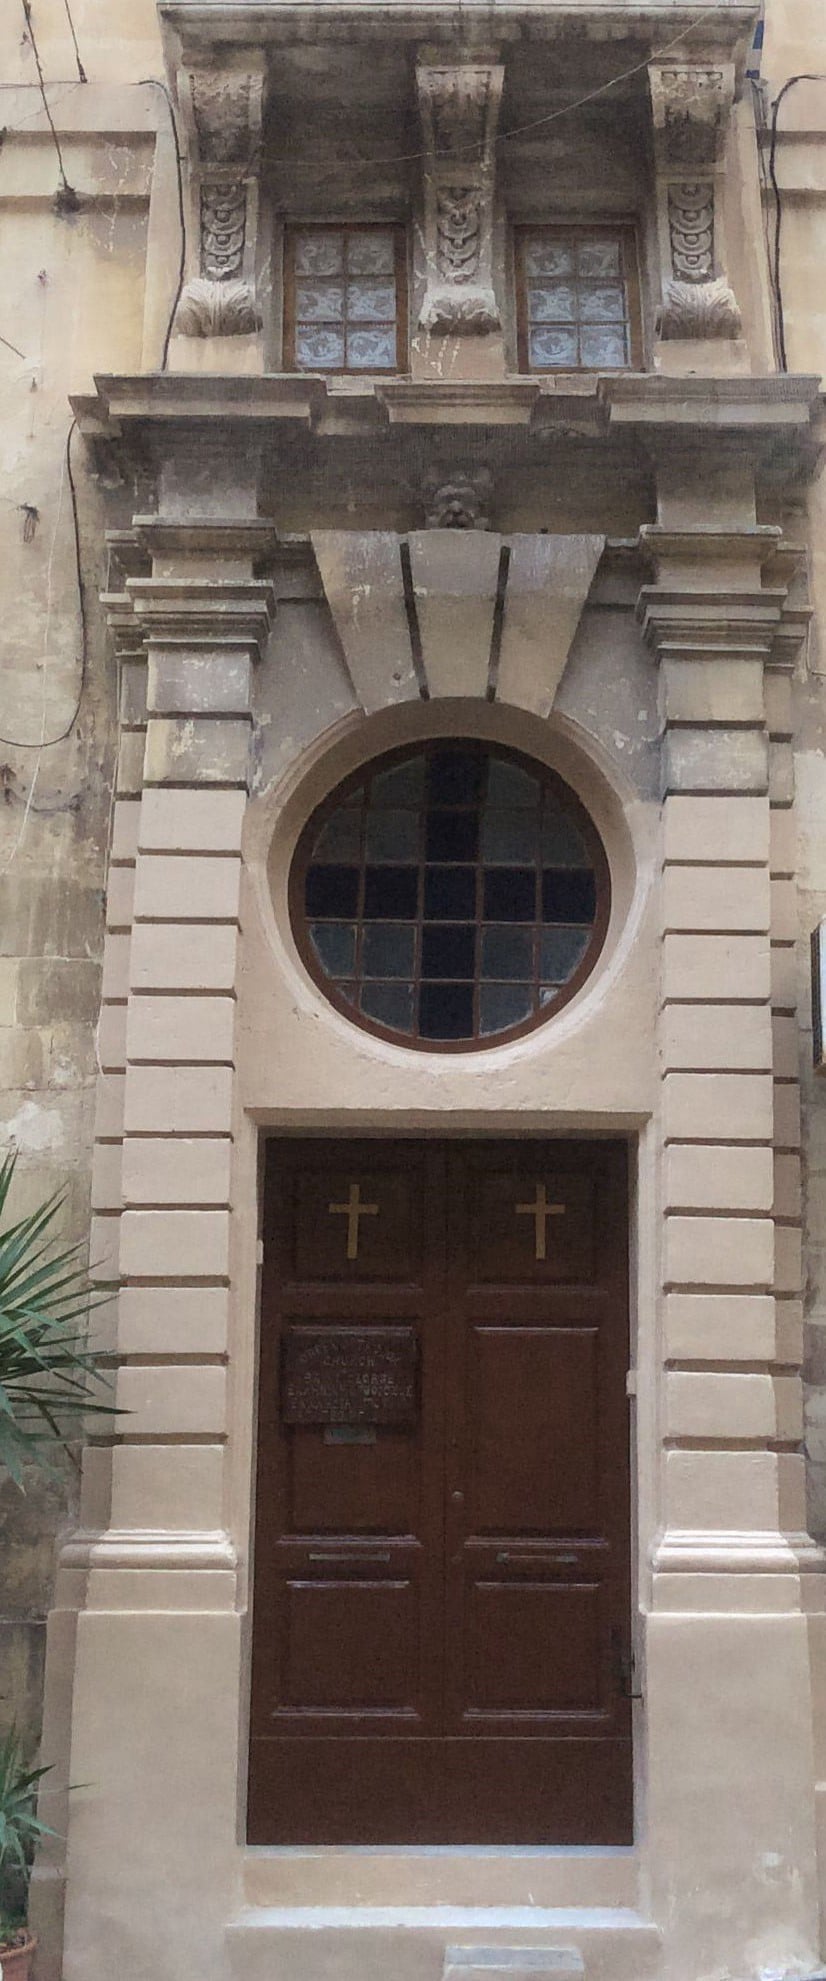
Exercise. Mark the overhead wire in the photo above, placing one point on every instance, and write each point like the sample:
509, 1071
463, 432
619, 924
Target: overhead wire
66, 192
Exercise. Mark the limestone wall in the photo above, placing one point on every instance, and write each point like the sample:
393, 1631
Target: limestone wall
72, 304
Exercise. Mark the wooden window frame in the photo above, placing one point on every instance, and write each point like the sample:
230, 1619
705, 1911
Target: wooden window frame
399, 231
623, 231
412, 1041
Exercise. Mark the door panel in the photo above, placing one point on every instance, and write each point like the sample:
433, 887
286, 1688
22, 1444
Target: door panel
442, 1536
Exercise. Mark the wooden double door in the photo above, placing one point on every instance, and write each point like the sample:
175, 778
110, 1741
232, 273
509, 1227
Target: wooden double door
442, 1591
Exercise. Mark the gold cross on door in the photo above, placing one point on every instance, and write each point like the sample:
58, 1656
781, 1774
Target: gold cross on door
540, 1210
353, 1210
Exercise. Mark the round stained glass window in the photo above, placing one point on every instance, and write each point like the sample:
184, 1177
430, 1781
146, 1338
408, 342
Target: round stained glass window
450, 895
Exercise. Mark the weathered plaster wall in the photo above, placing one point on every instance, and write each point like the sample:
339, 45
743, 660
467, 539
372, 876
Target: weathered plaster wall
796, 45
72, 303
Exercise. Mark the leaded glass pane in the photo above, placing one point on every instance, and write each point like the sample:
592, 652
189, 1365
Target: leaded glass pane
507, 953
508, 836
388, 950
601, 302
392, 835
555, 303
341, 836
335, 946
319, 253
553, 347
371, 253
319, 302
598, 258
548, 257
389, 1004
371, 350
371, 302
319, 350
603, 349
503, 1005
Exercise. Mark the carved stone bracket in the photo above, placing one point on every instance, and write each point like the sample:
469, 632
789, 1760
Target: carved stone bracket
690, 108
222, 113
459, 109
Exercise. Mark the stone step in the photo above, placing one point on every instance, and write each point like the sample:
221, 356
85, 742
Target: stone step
381, 1875
432, 1942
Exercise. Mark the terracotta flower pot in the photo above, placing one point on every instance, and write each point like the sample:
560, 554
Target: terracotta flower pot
16, 1956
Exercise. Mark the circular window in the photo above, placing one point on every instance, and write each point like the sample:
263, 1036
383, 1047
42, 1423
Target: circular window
450, 895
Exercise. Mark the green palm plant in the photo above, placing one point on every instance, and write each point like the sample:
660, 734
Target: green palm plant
46, 1364
21, 1830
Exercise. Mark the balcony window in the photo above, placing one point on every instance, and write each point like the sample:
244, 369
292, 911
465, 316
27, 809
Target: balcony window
578, 299
345, 300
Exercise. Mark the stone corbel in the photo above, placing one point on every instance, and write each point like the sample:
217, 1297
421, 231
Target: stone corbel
691, 104
222, 114
459, 109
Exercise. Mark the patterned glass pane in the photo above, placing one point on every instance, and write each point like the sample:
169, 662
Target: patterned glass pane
371, 350
319, 253
555, 303
601, 302
319, 302
319, 350
553, 347
449, 895
371, 302
598, 258
603, 349
547, 257
371, 253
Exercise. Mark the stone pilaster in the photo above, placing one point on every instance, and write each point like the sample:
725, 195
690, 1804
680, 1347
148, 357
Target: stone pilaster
221, 110
459, 110
170, 1005
691, 104
733, 1470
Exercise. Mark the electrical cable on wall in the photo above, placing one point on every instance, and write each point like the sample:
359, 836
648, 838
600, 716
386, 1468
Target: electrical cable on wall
152, 82
778, 209
44, 742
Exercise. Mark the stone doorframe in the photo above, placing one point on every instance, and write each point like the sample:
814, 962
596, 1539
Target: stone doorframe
151, 1590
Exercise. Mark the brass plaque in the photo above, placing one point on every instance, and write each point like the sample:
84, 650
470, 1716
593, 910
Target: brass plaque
348, 1376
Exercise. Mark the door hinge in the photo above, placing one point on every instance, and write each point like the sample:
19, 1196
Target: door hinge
624, 1665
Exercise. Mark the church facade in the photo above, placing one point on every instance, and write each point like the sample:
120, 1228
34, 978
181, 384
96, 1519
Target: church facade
448, 1593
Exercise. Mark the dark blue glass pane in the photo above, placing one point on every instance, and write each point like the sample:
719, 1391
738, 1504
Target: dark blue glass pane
508, 784
446, 1011
448, 952
452, 836
331, 891
454, 777
509, 894
390, 893
560, 950
389, 1004
503, 1005
387, 950
568, 895
403, 785
449, 894
335, 946
507, 953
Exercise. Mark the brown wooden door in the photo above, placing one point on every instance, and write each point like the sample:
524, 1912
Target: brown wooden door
442, 1594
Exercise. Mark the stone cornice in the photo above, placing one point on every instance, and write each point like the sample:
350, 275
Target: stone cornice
647, 401
651, 23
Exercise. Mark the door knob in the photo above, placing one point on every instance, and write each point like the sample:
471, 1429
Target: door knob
458, 1498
